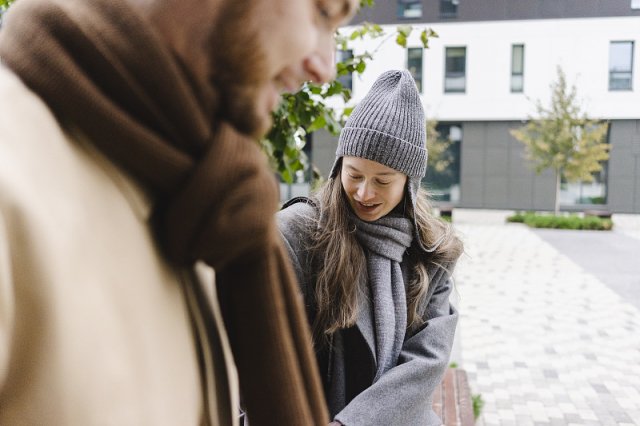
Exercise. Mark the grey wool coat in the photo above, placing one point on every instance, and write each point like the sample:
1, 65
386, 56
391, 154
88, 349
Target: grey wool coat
403, 395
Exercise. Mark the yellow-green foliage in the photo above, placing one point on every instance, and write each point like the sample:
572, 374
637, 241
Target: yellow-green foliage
563, 138
439, 158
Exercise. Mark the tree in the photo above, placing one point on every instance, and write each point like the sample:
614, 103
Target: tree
564, 139
439, 158
442, 161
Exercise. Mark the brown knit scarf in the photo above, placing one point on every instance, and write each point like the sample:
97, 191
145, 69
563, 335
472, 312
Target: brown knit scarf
101, 68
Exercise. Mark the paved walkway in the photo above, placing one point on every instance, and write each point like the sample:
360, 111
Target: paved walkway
544, 341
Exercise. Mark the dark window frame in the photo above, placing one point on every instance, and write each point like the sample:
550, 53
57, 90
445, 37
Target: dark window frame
418, 79
449, 8
515, 74
441, 183
455, 74
612, 79
406, 5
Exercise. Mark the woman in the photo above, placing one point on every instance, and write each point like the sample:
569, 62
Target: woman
375, 266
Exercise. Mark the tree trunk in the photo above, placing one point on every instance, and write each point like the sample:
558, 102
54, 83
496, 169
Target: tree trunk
556, 210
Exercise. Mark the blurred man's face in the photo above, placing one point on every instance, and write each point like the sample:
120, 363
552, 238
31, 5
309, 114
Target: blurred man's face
273, 46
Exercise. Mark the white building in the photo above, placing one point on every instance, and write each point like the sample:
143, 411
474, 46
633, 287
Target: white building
479, 79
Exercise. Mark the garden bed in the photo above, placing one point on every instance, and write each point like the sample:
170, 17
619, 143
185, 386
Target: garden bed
571, 221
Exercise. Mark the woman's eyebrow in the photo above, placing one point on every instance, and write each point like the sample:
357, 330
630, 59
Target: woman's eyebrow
350, 167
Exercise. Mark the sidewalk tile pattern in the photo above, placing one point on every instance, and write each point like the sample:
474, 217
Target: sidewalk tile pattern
543, 342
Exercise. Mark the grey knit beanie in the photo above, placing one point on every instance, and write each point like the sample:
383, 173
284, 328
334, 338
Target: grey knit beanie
388, 126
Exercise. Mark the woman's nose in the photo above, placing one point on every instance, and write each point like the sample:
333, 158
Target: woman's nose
365, 192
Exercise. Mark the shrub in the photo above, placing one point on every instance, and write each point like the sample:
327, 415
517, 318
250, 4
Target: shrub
478, 403
518, 217
573, 221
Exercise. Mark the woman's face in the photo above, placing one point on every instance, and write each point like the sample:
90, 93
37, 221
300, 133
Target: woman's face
373, 189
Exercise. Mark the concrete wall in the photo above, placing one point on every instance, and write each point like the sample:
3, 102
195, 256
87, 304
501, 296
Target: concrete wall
495, 174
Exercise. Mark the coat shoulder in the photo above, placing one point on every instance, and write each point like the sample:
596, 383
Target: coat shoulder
297, 222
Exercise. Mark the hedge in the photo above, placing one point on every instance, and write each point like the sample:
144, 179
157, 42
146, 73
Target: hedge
536, 220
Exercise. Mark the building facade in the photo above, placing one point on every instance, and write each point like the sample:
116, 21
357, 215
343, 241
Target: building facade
479, 79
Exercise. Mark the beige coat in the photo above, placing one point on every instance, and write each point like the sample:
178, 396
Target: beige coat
95, 327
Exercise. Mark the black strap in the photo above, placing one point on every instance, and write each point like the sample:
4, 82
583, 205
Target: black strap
295, 200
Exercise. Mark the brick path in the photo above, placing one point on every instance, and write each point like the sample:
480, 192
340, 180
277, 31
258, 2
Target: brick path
543, 341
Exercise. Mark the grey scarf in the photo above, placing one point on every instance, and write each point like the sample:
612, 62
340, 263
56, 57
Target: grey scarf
385, 242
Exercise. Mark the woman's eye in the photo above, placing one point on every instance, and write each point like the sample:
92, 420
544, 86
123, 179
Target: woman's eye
383, 183
354, 177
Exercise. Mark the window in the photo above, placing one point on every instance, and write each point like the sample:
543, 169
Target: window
448, 8
517, 68
620, 65
455, 70
347, 79
409, 8
589, 193
635, 4
414, 65
586, 193
443, 170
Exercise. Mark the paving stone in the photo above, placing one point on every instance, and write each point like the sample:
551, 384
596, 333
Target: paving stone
537, 328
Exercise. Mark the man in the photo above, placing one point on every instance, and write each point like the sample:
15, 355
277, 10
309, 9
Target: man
128, 168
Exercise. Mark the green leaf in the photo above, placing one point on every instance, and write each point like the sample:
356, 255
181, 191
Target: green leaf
335, 88
424, 39
316, 90
317, 124
286, 175
401, 39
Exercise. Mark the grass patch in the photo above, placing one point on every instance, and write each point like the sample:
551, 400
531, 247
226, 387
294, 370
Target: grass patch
478, 403
573, 221
446, 219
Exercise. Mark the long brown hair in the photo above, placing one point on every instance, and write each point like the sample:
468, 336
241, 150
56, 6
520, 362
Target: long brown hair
343, 264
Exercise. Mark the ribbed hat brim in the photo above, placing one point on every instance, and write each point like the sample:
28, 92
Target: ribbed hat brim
383, 148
